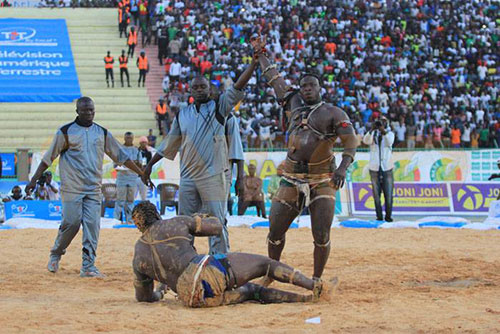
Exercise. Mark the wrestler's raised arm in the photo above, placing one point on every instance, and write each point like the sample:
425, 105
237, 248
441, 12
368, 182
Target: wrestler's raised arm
204, 226
269, 71
345, 131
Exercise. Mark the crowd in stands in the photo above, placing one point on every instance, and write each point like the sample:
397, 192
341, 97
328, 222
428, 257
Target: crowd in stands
431, 67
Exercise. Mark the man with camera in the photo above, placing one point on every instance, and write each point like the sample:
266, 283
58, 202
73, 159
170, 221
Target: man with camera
47, 188
380, 139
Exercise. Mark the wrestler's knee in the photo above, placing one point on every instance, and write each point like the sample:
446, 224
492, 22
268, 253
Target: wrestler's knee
321, 235
275, 239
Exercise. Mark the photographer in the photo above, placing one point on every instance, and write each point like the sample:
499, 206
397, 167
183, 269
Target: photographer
47, 188
380, 139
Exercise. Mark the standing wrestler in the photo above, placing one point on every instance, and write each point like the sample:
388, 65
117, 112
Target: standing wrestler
81, 146
310, 177
165, 253
198, 134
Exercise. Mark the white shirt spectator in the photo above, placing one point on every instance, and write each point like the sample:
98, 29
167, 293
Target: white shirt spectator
175, 69
380, 150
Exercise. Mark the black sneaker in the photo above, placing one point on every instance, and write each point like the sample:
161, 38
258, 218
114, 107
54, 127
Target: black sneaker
389, 219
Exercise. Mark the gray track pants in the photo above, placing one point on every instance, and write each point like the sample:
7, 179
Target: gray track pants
125, 195
207, 196
79, 209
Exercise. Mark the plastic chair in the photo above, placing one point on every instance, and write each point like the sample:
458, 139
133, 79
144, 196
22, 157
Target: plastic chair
167, 196
109, 196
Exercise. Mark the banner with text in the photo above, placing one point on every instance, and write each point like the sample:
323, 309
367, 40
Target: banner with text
474, 198
8, 164
36, 61
409, 198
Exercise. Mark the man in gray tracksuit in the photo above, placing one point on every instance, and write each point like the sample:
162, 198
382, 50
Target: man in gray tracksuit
126, 181
198, 134
81, 145
235, 156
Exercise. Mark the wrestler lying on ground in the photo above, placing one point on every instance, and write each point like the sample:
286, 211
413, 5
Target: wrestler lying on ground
165, 253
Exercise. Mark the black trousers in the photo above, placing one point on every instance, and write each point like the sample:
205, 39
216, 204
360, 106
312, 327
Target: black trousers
109, 73
142, 75
122, 71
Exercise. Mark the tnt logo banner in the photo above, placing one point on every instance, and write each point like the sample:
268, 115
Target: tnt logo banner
36, 62
473, 197
8, 164
47, 210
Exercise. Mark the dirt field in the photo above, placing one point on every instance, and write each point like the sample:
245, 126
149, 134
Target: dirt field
392, 281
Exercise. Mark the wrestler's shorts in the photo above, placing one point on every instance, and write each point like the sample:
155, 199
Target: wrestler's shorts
290, 195
203, 282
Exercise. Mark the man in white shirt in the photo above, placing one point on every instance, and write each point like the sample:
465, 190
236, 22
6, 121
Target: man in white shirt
175, 71
380, 139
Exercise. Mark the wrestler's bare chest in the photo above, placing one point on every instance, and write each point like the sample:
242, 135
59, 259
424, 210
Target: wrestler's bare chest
310, 134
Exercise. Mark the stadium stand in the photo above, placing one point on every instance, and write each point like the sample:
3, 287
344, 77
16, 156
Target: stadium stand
32, 125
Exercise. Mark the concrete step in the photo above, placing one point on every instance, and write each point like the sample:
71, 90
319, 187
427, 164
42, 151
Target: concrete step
61, 117
7, 125
115, 92
55, 107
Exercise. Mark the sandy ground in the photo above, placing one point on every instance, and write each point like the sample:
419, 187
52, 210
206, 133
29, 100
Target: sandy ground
392, 281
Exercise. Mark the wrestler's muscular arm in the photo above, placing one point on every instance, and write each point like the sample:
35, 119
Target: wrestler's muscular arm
204, 227
144, 286
347, 135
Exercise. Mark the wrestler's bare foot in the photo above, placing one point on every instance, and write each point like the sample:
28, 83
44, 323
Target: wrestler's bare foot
323, 291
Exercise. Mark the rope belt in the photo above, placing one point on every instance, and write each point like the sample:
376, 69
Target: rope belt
155, 257
201, 265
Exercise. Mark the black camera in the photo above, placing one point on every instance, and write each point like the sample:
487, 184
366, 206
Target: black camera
42, 180
378, 124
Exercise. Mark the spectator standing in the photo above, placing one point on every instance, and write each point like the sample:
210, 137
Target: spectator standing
81, 145
126, 181
151, 139
380, 139
466, 136
131, 41
146, 153
474, 139
108, 66
123, 59
175, 71
411, 135
455, 137
162, 117
143, 66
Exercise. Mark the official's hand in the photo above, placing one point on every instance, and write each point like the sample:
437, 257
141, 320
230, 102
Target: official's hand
146, 178
239, 187
490, 178
338, 178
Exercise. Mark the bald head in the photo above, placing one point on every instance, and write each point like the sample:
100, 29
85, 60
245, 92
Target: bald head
85, 110
200, 89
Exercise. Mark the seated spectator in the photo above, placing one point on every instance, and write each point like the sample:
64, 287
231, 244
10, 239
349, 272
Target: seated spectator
47, 188
253, 193
17, 195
